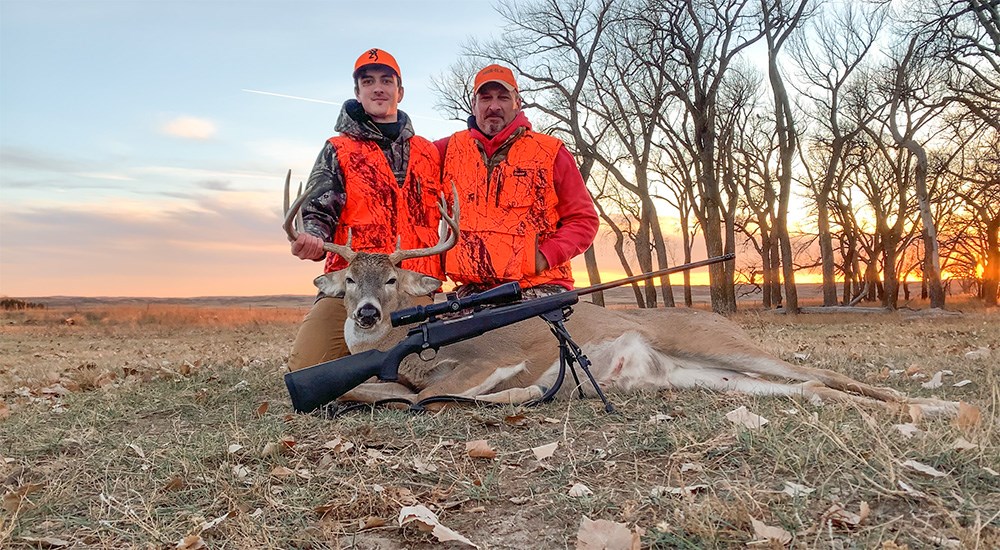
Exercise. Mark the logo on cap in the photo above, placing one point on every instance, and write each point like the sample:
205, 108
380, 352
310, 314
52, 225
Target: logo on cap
373, 54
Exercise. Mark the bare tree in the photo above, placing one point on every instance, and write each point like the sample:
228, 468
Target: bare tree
828, 59
701, 39
914, 103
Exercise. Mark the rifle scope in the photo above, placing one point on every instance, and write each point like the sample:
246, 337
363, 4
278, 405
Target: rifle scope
502, 294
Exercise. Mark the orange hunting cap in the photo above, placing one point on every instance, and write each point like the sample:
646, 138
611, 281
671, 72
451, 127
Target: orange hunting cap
376, 56
495, 73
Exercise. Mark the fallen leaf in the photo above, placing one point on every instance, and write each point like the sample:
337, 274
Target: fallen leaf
47, 542
175, 483
934, 382
688, 490
968, 416
427, 521
262, 409
480, 449
282, 472
18, 498
371, 522
692, 467
4, 410
746, 418
764, 531
338, 445
945, 542
212, 524
924, 469
796, 490
991, 471
841, 516
191, 542
137, 449
545, 451
961, 384
234, 448
657, 418
977, 354
580, 490
519, 500
961, 444
603, 534
908, 430
516, 420
910, 490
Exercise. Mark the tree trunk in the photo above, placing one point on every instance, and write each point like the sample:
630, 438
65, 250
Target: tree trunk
590, 257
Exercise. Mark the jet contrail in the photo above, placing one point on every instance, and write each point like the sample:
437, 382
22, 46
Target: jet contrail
292, 97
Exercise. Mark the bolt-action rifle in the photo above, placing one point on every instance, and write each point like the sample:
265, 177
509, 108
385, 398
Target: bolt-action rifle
315, 386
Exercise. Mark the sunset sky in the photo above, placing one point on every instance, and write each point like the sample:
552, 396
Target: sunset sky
143, 145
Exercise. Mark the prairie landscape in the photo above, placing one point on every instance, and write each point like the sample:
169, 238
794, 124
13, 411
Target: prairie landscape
167, 425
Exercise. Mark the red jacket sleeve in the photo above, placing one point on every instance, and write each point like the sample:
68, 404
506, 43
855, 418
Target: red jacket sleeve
578, 220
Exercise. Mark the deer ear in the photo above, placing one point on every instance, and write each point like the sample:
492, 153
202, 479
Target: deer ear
416, 284
331, 284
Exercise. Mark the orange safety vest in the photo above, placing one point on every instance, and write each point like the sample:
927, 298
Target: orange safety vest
507, 210
378, 209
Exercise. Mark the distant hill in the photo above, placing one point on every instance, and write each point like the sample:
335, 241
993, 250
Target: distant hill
616, 296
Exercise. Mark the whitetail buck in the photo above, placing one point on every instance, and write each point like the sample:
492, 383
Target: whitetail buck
637, 349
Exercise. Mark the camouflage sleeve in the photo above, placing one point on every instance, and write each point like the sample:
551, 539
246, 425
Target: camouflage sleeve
327, 195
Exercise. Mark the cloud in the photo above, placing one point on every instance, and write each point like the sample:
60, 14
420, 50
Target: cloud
189, 127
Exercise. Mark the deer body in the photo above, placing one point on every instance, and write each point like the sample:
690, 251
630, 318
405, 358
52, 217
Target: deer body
629, 349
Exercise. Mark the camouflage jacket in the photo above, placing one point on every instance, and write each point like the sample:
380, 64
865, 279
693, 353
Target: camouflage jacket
327, 195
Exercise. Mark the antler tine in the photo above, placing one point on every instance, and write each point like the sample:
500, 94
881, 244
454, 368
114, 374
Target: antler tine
446, 240
343, 250
293, 212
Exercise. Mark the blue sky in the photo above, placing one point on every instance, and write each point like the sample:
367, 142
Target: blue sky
133, 162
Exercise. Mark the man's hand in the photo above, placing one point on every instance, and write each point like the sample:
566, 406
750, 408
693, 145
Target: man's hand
541, 264
308, 247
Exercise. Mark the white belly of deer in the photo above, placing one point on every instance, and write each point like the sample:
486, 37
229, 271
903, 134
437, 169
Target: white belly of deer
629, 362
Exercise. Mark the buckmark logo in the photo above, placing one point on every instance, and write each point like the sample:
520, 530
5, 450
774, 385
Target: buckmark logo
373, 54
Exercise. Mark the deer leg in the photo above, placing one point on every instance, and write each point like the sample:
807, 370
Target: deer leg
513, 396
372, 392
471, 380
829, 378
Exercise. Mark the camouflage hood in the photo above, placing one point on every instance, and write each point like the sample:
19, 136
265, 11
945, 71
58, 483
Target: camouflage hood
354, 121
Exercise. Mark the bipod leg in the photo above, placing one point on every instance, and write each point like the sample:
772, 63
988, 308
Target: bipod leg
569, 352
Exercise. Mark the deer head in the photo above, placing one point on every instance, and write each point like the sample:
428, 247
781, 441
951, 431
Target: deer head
373, 285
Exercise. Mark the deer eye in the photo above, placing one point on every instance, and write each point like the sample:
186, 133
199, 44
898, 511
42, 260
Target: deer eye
349, 281
391, 281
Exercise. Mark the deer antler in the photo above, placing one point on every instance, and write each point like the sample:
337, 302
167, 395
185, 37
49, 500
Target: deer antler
446, 240
293, 215
293, 222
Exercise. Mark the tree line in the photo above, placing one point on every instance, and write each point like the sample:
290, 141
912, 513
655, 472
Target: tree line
882, 118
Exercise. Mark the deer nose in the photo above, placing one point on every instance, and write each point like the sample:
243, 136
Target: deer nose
367, 316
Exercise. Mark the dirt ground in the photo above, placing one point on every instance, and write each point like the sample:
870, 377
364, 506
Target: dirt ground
167, 426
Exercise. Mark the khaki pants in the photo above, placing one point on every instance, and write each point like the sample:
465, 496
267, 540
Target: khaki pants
321, 336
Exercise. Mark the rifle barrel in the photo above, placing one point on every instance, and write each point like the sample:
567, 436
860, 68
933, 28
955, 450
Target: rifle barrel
652, 274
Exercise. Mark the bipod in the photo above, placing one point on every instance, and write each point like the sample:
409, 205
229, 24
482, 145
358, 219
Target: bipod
570, 355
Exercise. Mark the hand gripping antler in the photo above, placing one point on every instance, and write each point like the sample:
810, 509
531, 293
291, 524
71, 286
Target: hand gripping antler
446, 240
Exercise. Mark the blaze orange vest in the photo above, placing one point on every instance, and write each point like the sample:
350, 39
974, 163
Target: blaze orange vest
507, 210
378, 209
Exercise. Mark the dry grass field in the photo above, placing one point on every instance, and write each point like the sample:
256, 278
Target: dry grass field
168, 426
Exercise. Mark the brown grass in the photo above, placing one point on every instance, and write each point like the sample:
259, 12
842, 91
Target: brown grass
134, 426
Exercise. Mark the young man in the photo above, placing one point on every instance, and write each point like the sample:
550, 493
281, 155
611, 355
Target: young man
377, 179
525, 208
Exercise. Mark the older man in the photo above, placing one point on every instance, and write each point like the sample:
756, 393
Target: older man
375, 179
525, 208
